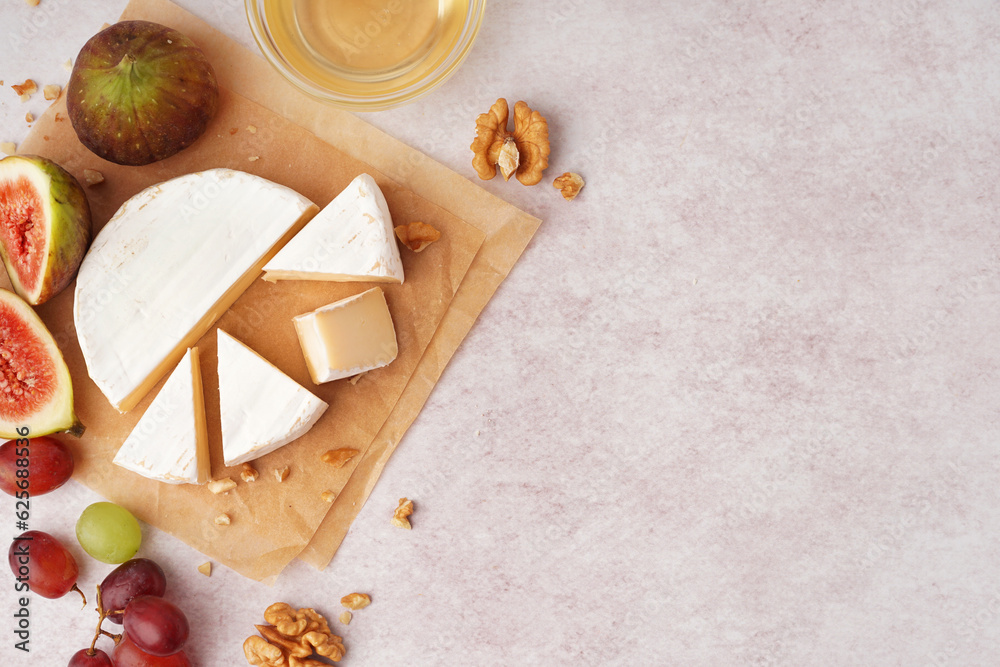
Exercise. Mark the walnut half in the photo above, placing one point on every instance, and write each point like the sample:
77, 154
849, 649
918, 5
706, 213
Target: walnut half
525, 151
294, 636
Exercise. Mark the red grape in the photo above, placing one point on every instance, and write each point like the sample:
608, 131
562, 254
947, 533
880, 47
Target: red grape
127, 654
44, 563
83, 658
139, 576
156, 626
46, 462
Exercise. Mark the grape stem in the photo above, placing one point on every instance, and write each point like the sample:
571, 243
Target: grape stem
77, 589
102, 614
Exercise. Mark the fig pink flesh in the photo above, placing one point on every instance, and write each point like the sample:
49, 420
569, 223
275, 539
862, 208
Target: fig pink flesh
22, 224
28, 375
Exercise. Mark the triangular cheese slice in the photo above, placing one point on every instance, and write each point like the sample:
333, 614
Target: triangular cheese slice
350, 240
170, 442
260, 407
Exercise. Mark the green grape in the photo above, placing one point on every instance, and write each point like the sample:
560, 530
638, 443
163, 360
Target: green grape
108, 532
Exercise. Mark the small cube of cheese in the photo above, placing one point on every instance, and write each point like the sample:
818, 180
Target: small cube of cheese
347, 337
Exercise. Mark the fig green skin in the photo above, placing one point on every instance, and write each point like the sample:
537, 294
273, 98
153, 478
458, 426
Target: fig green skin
140, 92
68, 230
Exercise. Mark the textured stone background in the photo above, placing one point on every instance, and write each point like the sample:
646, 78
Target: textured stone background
737, 404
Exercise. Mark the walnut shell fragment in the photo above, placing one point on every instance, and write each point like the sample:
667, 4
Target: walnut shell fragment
525, 151
569, 185
417, 235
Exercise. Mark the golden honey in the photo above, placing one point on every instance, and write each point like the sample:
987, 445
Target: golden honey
365, 47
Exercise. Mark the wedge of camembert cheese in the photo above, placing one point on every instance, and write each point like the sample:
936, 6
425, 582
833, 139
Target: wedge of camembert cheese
347, 337
169, 263
352, 239
170, 442
260, 407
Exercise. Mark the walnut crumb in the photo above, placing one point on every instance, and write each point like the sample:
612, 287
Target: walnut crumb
248, 473
206, 568
68, 65
218, 486
252, 129
569, 184
253, 158
25, 90
234, 130
32, 3
338, 457
404, 510
356, 601
51, 91
29, 118
8, 147
345, 618
223, 520
281, 474
92, 177
328, 496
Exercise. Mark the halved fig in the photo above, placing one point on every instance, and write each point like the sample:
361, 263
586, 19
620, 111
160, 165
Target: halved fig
140, 92
44, 226
36, 392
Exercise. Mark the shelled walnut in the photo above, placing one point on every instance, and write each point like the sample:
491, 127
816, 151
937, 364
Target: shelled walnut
338, 457
569, 185
293, 636
525, 151
417, 235
248, 473
356, 601
404, 510
25, 90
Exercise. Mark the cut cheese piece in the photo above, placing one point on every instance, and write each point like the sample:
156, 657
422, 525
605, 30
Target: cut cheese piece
352, 239
170, 262
170, 442
348, 337
260, 407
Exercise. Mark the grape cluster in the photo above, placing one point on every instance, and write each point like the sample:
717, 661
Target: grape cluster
154, 629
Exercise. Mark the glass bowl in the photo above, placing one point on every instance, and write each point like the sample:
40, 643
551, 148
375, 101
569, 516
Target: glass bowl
339, 50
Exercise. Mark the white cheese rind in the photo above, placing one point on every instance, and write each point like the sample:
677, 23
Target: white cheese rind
169, 443
352, 239
261, 408
167, 265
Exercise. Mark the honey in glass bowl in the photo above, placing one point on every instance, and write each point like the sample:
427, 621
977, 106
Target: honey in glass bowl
382, 51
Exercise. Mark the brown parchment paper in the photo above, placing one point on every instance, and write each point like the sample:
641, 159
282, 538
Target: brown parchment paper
506, 231
271, 522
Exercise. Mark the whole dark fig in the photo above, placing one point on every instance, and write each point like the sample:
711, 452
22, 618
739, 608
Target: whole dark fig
140, 92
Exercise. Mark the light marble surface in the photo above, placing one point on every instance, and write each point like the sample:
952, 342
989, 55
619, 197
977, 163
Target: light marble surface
736, 405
